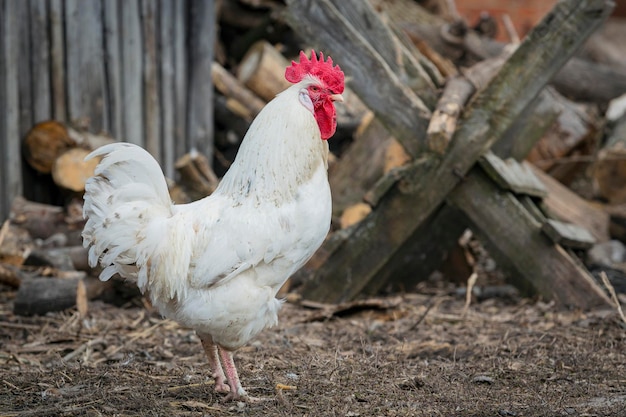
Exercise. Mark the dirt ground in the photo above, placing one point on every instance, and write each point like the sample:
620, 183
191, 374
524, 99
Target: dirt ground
409, 355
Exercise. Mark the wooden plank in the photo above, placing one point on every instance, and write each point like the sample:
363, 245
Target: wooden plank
10, 157
40, 60
371, 77
200, 89
406, 206
85, 63
132, 81
512, 175
563, 204
568, 234
442, 125
182, 145
24, 74
366, 21
152, 105
37, 69
423, 252
113, 67
57, 60
515, 239
166, 86
4, 207
531, 126
361, 166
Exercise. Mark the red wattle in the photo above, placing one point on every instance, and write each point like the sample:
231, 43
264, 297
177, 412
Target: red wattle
326, 118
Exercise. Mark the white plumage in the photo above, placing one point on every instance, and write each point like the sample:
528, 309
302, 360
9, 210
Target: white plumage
215, 265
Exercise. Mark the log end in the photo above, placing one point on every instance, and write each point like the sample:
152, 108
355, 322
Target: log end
70, 170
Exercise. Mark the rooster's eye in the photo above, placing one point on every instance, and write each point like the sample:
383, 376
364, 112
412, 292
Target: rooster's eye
315, 89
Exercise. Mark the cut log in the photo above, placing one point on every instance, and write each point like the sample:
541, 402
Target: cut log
40, 220
70, 170
588, 81
68, 258
85, 139
262, 70
457, 92
354, 214
37, 296
242, 101
445, 66
15, 244
395, 156
44, 143
232, 122
10, 275
43, 221
196, 176
580, 79
442, 125
606, 46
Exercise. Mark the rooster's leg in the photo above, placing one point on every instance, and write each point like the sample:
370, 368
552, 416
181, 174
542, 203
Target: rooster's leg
217, 372
236, 390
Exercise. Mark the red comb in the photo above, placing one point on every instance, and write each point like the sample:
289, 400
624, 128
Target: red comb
324, 70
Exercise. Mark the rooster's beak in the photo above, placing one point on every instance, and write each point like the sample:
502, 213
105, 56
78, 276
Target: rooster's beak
336, 97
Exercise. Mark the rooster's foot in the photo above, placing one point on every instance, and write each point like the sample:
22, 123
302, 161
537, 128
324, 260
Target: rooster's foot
221, 386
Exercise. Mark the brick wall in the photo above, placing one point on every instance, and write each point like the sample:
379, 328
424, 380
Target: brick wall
524, 13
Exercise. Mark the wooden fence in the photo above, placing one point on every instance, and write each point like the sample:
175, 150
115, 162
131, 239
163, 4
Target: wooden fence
139, 70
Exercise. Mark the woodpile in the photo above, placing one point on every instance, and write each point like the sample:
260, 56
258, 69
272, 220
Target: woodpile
444, 130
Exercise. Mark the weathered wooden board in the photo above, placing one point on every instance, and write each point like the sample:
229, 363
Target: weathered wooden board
132, 81
531, 126
23, 76
375, 240
40, 60
181, 69
512, 175
166, 86
563, 204
568, 234
10, 156
404, 114
122, 67
516, 241
116, 107
366, 21
424, 252
57, 60
609, 169
360, 167
152, 104
200, 88
85, 63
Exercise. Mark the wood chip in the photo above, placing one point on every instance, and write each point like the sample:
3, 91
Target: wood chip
284, 387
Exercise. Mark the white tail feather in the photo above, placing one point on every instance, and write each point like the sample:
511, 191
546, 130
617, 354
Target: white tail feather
125, 196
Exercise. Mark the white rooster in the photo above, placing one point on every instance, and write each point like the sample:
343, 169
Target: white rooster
215, 265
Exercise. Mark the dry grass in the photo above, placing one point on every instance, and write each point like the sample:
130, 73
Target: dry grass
521, 359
